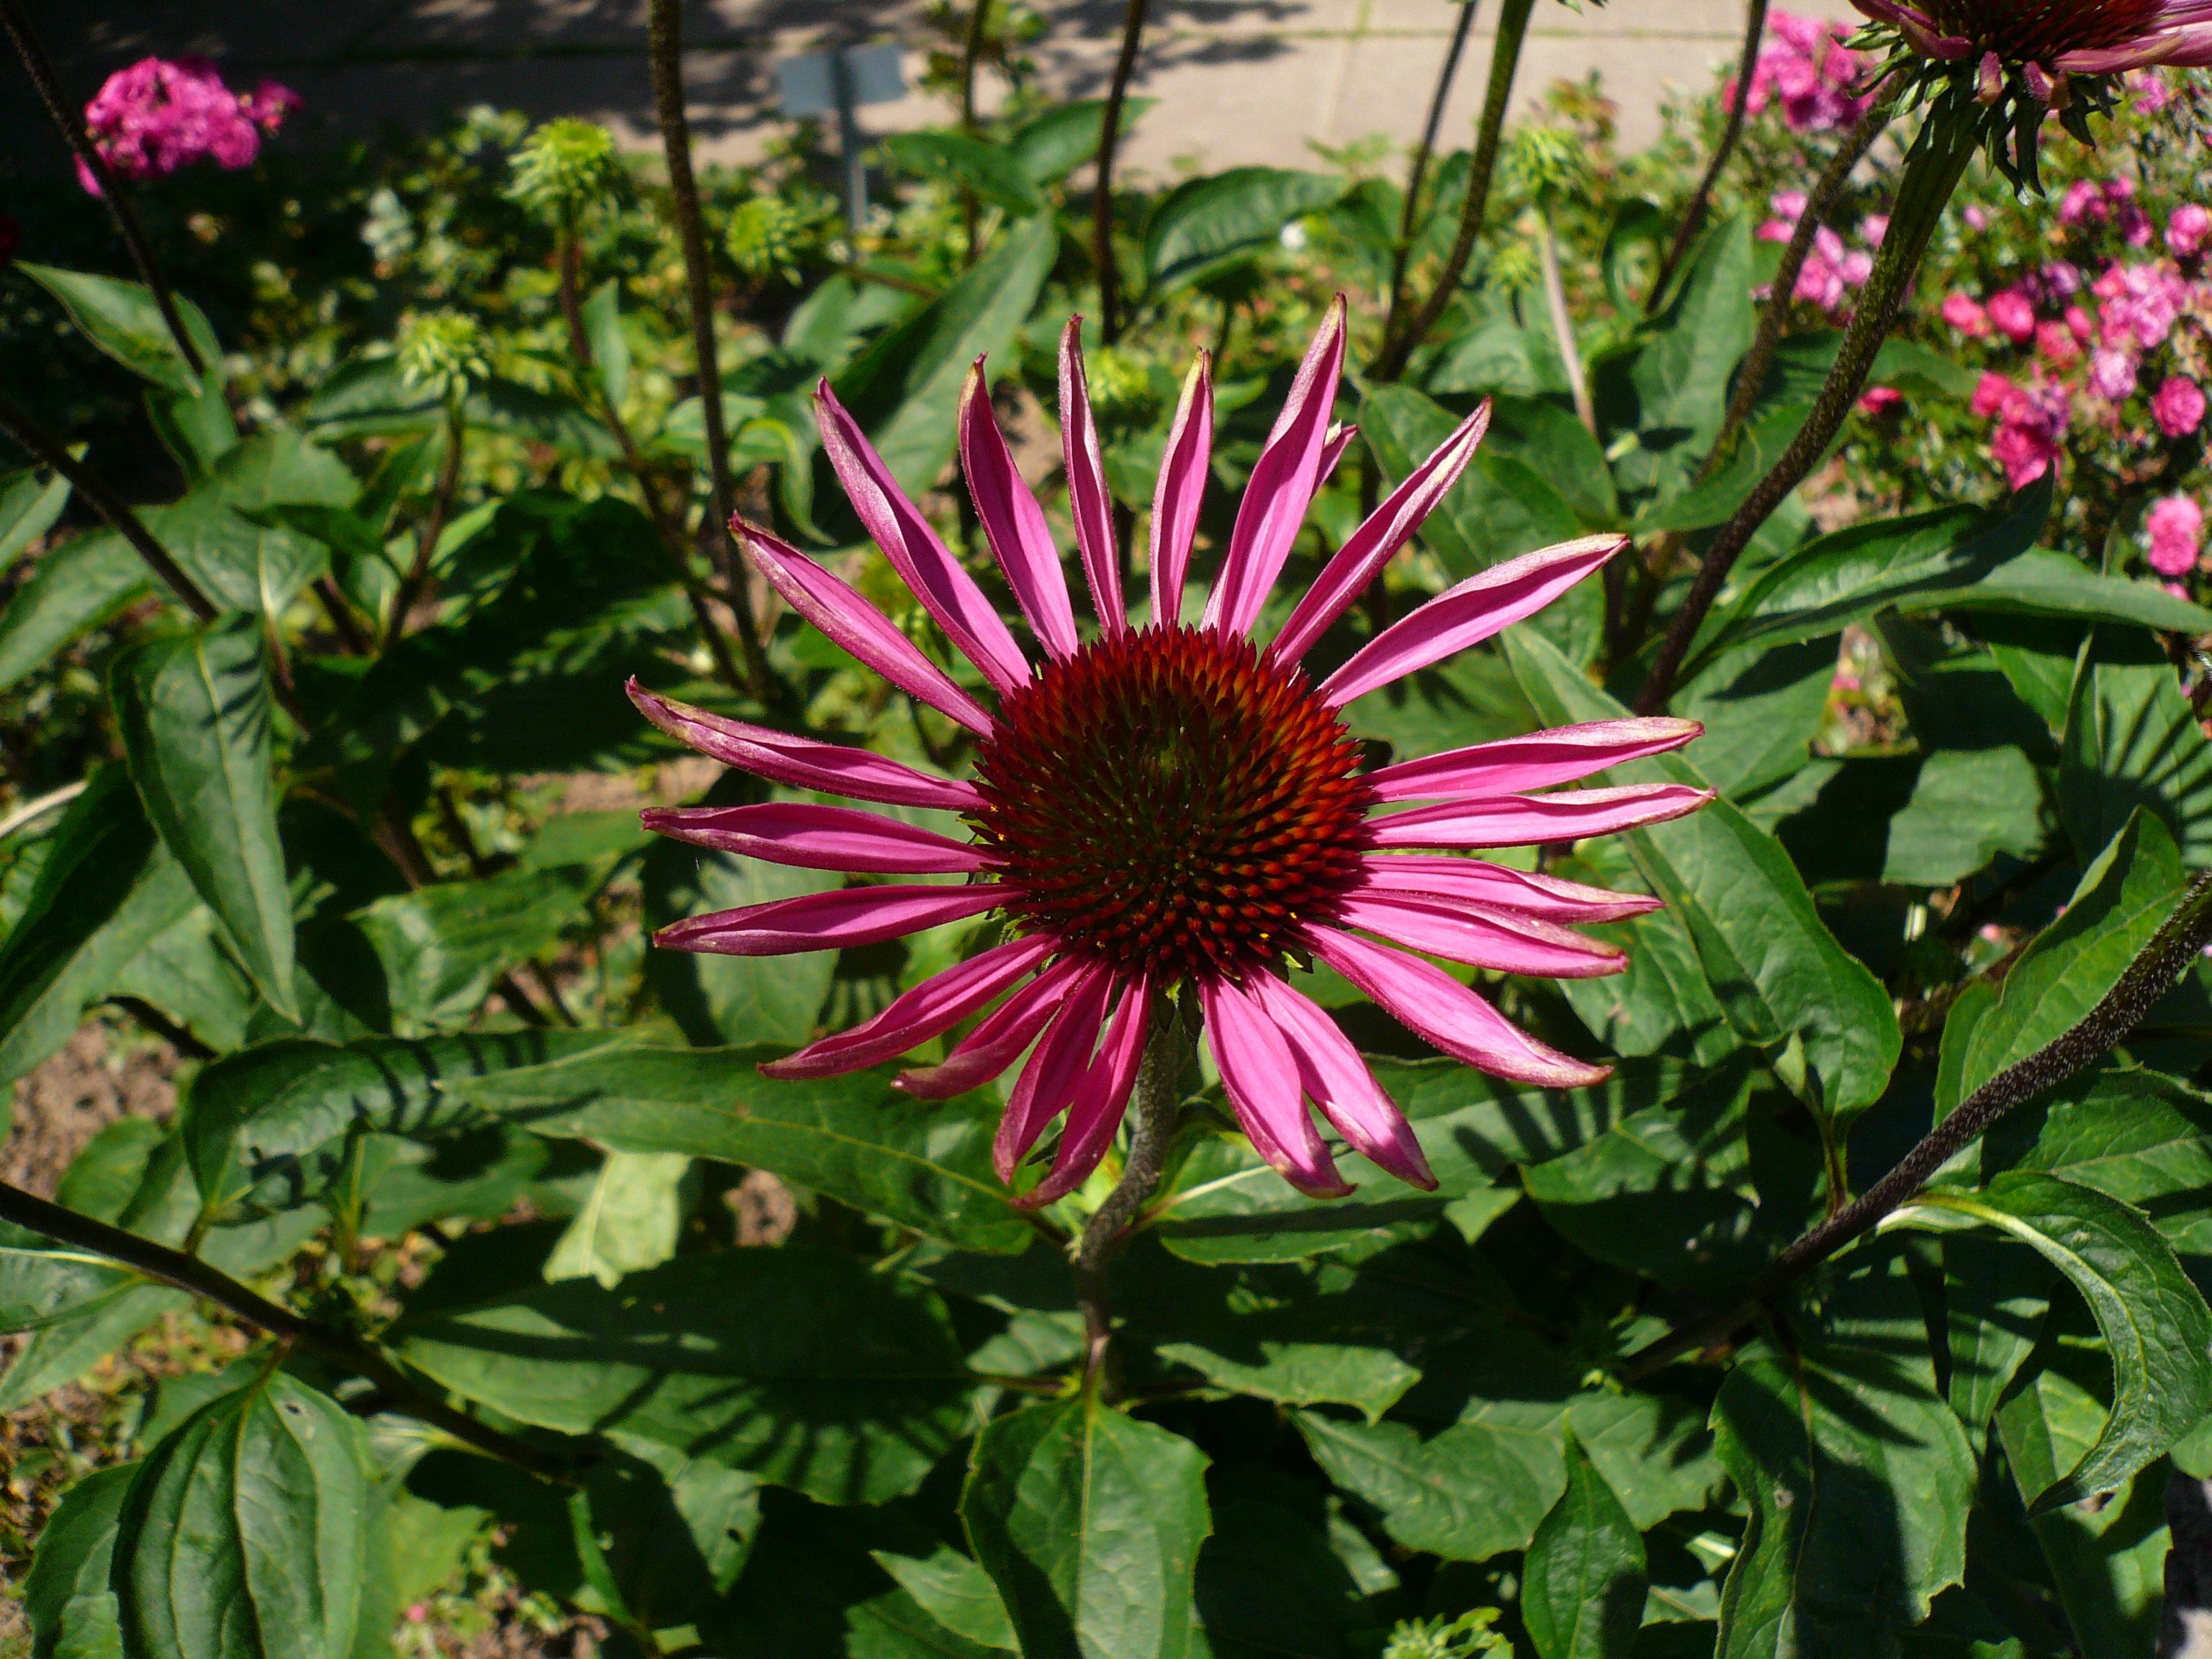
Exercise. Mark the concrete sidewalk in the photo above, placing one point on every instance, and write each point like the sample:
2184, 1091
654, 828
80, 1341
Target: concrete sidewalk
1237, 82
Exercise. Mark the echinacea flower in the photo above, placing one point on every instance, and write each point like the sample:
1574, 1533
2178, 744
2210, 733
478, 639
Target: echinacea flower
2054, 36
1176, 804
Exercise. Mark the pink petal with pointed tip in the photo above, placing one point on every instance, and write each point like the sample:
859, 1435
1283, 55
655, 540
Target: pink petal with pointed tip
1180, 490
828, 921
1461, 932
996, 1043
1373, 545
820, 838
1535, 820
1087, 497
931, 1009
1337, 1081
1261, 1079
802, 763
836, 609
1095, 1109
1546, 897
1469, 614
1281, 487
1050, 1080
1536, 761
946, 592
1013, 521
1436, 1008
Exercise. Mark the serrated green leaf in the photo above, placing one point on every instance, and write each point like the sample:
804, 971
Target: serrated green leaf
1966, 807
1654, 1450
1203, 221
123, 320
1053, 144
72, 1610
1995, 1296
2139, 1137
28, 508
993, 172
1583, 1582
442, 945
2132, 744
630, 1219
87, 580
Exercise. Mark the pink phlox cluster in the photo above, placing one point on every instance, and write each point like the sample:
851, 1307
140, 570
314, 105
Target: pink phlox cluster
2175, 526
2032, 420
1805, 69
2151, 91
2188, 230
1831, 269
2179, 406
1879, 400
160, 114
2087, 202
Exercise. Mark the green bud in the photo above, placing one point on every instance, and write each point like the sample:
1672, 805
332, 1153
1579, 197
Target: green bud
563, 166
769, 236
1546, 161
1121, 384
442, 351
1465, 1638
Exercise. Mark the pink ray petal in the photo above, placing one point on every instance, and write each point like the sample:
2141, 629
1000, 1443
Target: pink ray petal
1534, 820
1180, 490
996, 1043
836, 609
828, 921
1373, 545
1281, 487
1546, 897
820, 838
1050, 1080
1087, 496
1436, 1008
1469, 614
1536, 762
1095, 1109
1332, 1072
1013, 521
931, 1009
802, 763
946, 591
2183, 48
1461, 932
1261, 1079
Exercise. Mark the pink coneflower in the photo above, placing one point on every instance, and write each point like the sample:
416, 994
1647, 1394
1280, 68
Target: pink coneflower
2055, 37
1176, 804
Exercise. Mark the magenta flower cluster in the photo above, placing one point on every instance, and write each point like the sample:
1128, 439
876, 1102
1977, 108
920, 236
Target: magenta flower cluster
161, 114
1805, 72
1831, 269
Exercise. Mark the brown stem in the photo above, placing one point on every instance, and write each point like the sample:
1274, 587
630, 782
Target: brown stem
665, 44
2171, 949
48, 450
1505, 62
1101, 198
343, 623
41, 70
1754, 31
341, 1348
1932, 171
971, 48
1409, 221
411, 587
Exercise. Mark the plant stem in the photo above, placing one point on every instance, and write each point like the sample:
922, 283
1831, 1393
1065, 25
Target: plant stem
412, 586
1154, 1104
1932, 170
1409, 221
340, 1348
1101, 197
665, 43
41, 70
1504, 62
1754, 30
1563, 325
48, 450
2139, 989
970, 47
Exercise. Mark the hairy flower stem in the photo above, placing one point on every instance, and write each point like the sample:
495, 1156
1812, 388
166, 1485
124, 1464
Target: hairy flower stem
340, 1348
1409, 221
1169, 1050
665, 45
1932, 170
971, 47
40, 69
1399, 345
1101, 196
2148, 979
1754, 32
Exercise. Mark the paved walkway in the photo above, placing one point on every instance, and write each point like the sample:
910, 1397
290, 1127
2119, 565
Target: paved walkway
1237, 82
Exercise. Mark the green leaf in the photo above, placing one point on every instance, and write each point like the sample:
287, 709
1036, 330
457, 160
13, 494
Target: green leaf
1466, 1493
1661, 1004
993, 173
630, 1220
1968, 806
1858, 1479
1559, 446
1090, 1523
1784, 982
954, 1591
1204, 221
1715, 501
88, 580
1272, 1584
195, 713
1500, 509
2120, 901
1761, 708
1681, 375
2155, 1325
2136, 1136
1583, 1584
1064, 137
610, 345
2043, 583
123, 319
905, 388
442, 947
1995, 1297
737, 999
244, 1532
240, 562
27, 510
1653, 1450
72, 1610
852, 1138
42, 1281
799, 1367
2131, 743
